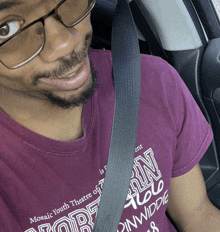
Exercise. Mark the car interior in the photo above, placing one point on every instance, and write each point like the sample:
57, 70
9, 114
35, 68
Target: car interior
186, 34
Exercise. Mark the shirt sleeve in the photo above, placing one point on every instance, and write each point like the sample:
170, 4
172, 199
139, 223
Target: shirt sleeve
193, 133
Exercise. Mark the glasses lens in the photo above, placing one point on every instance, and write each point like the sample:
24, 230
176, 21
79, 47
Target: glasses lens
23, 47
73, 10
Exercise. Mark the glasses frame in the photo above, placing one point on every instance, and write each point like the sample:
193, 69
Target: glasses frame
42, 19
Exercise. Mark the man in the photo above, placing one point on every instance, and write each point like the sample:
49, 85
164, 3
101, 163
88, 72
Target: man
57, 103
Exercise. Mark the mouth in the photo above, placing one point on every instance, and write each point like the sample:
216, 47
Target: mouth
72, 80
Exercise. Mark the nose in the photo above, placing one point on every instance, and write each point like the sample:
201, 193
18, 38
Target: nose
60, 41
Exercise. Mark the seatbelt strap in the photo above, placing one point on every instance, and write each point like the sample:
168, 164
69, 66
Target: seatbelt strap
127, 81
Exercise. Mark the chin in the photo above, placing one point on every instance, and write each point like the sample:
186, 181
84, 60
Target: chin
77, 97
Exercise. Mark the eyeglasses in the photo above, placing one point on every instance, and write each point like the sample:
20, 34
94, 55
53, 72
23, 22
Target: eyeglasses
21, 46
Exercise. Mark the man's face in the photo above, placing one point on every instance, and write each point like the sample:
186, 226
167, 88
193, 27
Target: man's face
61, 73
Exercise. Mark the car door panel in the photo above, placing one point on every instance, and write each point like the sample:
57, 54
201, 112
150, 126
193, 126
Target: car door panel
210, 88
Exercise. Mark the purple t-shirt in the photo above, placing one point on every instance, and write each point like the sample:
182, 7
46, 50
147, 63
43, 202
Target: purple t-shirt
54, 186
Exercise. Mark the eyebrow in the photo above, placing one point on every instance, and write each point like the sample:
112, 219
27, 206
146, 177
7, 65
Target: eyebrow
9, 4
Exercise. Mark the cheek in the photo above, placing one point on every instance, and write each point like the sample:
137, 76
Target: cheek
14, 79
85, 26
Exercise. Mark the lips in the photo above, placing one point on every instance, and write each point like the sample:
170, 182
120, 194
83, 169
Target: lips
71, 81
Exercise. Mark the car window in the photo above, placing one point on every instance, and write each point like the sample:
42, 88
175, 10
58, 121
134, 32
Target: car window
216, 4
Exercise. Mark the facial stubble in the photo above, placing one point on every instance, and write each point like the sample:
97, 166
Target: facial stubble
75, 100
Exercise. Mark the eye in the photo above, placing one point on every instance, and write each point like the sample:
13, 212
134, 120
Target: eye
9, 28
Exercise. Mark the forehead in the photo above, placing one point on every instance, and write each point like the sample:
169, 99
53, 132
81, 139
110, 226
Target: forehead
10, 5
25, 8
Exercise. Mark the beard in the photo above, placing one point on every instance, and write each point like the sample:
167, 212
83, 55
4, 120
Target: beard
77, 100
67, 64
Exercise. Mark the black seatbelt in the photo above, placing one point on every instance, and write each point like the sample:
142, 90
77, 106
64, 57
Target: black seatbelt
127, 78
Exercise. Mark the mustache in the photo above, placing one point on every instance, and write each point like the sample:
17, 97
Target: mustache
66, 64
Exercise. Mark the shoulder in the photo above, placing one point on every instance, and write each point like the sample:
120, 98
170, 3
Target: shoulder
158, 74
159, 80
99, 57
151, 66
